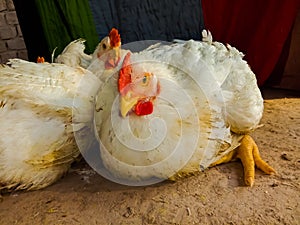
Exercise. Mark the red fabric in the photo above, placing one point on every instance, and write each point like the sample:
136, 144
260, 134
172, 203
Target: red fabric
258, 28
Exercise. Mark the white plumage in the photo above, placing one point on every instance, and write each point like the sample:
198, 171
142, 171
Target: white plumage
209, 99
73, 55
45, 110
37, 144
244, 103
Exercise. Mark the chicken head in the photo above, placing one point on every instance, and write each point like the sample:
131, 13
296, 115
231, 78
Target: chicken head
108, 50
138, 89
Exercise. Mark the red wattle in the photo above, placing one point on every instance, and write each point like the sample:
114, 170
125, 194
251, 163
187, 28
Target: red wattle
143, 108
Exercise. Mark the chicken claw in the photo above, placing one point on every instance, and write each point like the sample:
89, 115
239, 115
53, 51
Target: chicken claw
248, 153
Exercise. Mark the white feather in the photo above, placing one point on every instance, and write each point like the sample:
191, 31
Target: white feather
73, 55
37, 144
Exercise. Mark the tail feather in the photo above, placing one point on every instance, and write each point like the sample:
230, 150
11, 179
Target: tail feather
73, 55
207, 36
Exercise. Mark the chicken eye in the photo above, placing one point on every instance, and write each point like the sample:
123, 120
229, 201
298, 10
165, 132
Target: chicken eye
145, 80
104, 46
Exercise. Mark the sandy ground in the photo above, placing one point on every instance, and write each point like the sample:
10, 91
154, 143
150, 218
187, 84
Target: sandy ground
216, 196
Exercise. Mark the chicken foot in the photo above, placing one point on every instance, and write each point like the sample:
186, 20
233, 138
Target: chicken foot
248, 153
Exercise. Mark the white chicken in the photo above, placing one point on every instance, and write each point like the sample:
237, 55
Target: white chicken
41, 106
105, 57
176, 109
37, 145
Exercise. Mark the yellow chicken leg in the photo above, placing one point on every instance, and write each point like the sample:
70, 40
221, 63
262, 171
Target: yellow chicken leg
248, 153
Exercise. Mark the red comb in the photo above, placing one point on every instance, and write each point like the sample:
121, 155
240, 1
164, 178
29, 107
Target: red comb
114, 36
125, 73
40, 59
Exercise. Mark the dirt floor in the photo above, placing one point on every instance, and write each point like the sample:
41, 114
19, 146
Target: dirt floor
216, 196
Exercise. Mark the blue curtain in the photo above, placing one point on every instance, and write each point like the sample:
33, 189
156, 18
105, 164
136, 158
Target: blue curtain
47, 24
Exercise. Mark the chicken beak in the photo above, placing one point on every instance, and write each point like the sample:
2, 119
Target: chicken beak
126, 104
113, 58
116, 55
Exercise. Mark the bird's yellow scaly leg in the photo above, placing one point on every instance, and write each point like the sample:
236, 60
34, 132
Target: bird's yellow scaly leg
259, 162
245, 154
225, 159
248, 153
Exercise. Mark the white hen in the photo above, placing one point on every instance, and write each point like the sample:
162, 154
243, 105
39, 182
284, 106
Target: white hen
42, 106
37, 144
205, 101
106, 55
